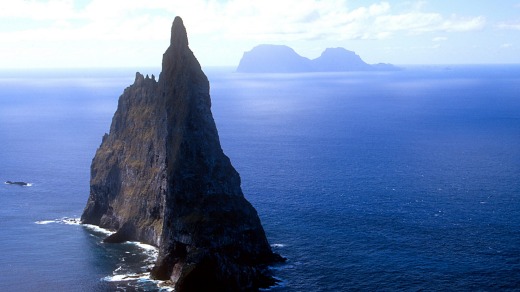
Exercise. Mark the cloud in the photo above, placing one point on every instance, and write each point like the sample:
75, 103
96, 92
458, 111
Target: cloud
510, 25
439, 39
268, 20
420, 22
38, 10
137, 29
334, 20
506, 46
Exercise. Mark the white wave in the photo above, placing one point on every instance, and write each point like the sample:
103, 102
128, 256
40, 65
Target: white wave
98, 229
64, 220
43, 222
71, 221
277, 245
143, 277
127, 277
149, 250
145, 246
29, 185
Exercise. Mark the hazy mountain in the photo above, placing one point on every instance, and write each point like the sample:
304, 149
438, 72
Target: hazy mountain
283, 59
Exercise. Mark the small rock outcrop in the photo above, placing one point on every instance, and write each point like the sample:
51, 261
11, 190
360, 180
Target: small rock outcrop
283, 59
19, 183
160, 177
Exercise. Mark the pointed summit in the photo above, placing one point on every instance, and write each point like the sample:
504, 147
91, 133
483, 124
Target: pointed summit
179, 37
178, 59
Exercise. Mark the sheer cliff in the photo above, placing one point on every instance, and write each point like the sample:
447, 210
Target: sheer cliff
160, 177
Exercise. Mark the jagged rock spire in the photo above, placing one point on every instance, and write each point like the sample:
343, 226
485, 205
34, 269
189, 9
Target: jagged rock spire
179, 37
161, 177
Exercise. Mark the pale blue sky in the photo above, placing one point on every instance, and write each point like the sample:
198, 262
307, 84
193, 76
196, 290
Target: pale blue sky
135, 33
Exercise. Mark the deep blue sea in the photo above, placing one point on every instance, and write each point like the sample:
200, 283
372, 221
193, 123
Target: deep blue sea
406, 180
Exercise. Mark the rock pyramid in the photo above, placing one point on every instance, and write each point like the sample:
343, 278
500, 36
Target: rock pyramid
160, 177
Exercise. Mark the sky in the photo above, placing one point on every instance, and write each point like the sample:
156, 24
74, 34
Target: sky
135, 33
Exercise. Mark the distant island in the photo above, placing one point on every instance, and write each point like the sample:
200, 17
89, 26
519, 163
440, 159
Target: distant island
283, 59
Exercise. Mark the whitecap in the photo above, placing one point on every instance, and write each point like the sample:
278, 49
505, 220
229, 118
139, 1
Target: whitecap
71, 221
140, 278
127, 277
151, 251
64, 220
277, 245
145, 246
43, 222
97, 229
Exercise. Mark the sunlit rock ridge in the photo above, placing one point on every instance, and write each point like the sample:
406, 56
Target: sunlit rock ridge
160, 177
283, 59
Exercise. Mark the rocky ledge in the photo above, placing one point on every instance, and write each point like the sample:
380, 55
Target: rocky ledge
160, 177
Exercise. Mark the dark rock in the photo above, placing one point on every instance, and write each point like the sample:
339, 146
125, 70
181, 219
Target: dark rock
283, 59
161, 177
20, 183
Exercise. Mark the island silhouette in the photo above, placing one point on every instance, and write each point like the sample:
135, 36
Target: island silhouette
283, 59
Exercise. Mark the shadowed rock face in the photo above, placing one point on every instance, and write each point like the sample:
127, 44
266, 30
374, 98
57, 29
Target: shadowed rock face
161, 177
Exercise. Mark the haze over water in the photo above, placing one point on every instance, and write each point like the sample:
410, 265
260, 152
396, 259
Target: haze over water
375, 181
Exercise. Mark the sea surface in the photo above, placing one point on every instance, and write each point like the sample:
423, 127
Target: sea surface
406, 180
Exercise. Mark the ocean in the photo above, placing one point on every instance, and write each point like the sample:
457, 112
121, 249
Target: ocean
406, 180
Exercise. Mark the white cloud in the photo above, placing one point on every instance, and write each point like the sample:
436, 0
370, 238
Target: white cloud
38, 10
506, 46
439, 39
337, 21
420, 22
511, 25
34, 25
268, 20
310, 19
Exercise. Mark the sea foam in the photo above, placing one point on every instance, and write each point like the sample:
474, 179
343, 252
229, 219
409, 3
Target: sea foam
97, 229
277, 245
64, 220
121, 274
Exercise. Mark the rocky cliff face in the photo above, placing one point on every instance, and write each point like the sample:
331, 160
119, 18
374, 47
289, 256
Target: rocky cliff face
161, 177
